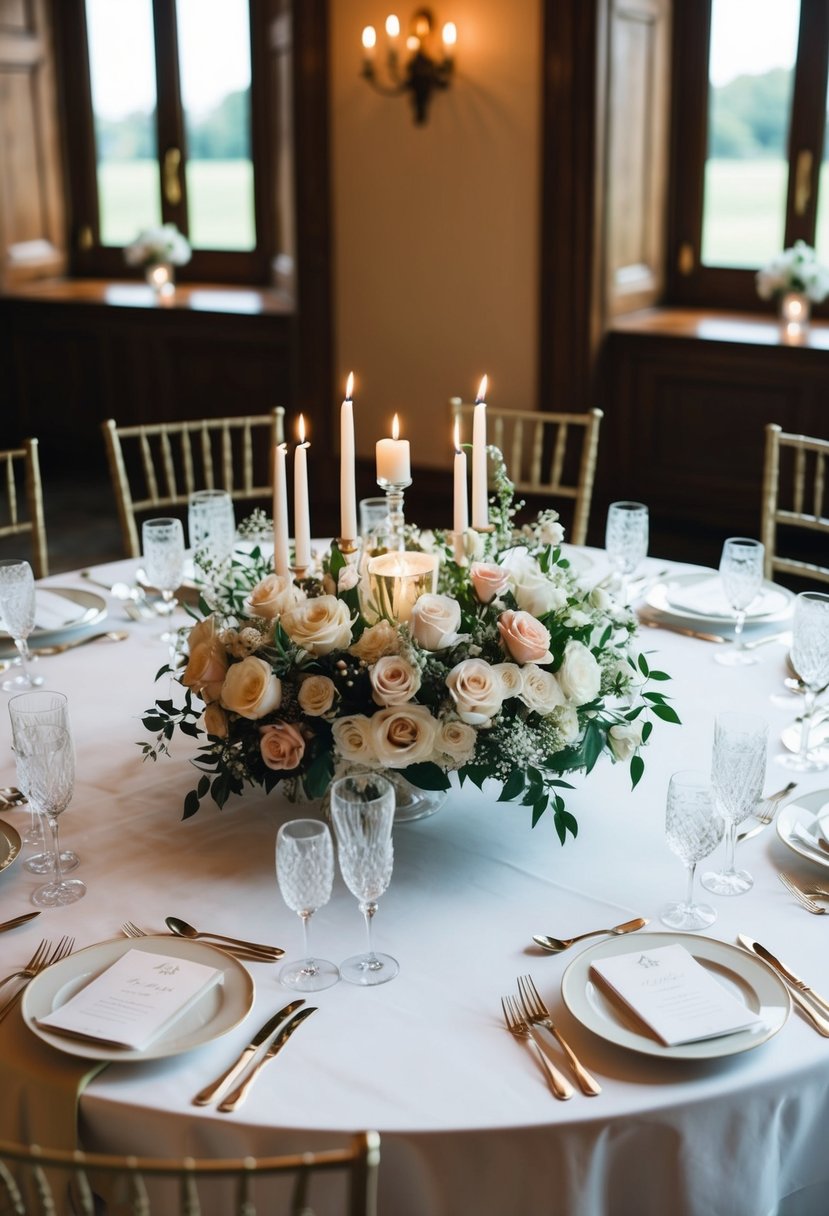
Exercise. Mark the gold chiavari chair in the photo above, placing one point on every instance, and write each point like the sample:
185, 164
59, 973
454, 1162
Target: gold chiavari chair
794, 497
21, 472
539, 452
37, 1182
157, 466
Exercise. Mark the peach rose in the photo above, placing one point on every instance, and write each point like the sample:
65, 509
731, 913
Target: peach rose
215, 720
540, 690
282, 745
208, 662
403, 735
579, 676
488, 579
457, 740
316, 695
376, 641
394, 680
510, 677
353, 739
251, 689
319, 625
525, 638
477, 690
270, 597
435, 620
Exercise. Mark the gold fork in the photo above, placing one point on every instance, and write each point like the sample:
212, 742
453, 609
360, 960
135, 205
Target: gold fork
764, 813
252, 956
802, 898
537, 1014
64, 947
33, 962
516, 1025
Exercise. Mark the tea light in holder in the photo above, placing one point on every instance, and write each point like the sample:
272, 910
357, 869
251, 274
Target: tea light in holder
394, 474
397, 580
794, 313
161, 278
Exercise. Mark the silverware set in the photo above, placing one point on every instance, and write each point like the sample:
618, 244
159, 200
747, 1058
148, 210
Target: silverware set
43, 957
764, 813
812, 1005
652, 621
523, 1015
249, 951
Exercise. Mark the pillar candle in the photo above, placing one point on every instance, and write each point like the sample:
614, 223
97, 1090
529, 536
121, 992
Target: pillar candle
281, 563
302, 519
480, 512
348, 493
393, 458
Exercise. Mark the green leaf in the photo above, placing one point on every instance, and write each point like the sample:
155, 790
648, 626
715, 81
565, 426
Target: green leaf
190, 728
337, 560
667, 714
427, 776
658, 675
538, 809
647, 727
637, 768
512, 786
643, 665
203, 786
593, 744
153, 723
191, 804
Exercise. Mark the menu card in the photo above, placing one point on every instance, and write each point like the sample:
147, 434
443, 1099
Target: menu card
674, 995
134, 1000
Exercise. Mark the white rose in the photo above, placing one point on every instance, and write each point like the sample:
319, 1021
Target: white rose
540, 689
551, 532
270, 597
394, 680
473, 544
348, 577
579, 676
403, 735
477, 690
435, 620
624, 738
457, 739
601, 599
353, 739
251, 689
510, 676
534, 591
316, 695
319, 625
567, 723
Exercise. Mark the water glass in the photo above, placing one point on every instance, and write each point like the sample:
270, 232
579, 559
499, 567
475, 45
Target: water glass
17, 609
741, 572
374, 524
211, 526
163, 546
738, 772
693, 828
362, 810
626, 539
810, 659
305, 872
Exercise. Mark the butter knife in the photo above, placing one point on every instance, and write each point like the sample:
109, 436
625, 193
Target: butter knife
236, 1097
18, 920
686, 633
798, 989
218, 1087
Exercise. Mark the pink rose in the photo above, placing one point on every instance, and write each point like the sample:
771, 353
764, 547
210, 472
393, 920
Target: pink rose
282, 746
525, 638
488, 579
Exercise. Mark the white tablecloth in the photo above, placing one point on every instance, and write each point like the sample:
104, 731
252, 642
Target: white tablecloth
467, 1122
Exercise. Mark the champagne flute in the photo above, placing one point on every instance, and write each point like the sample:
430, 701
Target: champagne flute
163, 546
741, 571
28, 710
362, 809
693, 828
17, 608
305, 871
810, 659
626, 539
738, 772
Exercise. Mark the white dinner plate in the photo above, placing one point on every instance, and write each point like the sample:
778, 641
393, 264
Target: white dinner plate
84, 608
218, 1011
797, 825
9, 844
675, 595
744, 975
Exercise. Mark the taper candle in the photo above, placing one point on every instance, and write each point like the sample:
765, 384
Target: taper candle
348, 493
281, 561
302, 518
461, 503
480, 512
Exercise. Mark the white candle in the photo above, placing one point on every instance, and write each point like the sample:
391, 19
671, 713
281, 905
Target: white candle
302, 518
480, 513
348, 493
393, 458
461, 516
281, 563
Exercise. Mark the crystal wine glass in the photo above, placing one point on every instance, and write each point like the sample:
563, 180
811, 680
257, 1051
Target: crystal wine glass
27, 710
693, 828
810, 659
626, 539
362, 809
305, 871
741, 571
17, 608
46, 770
738, 772
163, 546
211, 527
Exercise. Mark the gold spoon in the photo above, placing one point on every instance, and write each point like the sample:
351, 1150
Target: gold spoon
113, 635
556, 944
182, 929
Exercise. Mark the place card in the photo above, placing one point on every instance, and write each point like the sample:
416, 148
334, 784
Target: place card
134, 1000
674, 995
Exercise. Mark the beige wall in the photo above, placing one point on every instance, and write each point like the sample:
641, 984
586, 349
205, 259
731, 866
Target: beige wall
436, 227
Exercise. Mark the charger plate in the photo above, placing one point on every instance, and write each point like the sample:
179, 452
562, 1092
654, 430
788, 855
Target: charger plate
666, 596
744, 975
9, 844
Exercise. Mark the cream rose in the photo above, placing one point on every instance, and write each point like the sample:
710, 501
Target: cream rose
510, 676
215, 720
208, 662
251, 689
353, 739
403, 735
488, 579
567, 723
394, 680
457, 740
624, 738
540, 689
316, 695
534, 591
376, 641
270, 597
319, 625
435, 620
579, 676
282, 745
525, 638
477, 690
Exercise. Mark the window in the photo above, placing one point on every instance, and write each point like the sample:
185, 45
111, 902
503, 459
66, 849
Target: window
161, 128
748, 150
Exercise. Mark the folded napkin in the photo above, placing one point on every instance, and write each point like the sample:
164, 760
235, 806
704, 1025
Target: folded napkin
707, 598
54, 611
809, 841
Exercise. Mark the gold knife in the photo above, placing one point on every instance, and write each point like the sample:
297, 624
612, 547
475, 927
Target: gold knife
799, 990
217, 1087
686, 633
236, 1097
18, 920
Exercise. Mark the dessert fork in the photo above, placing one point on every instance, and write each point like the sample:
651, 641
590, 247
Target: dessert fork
516, 1025
31, 967
537, 1014
64, 947
802, 898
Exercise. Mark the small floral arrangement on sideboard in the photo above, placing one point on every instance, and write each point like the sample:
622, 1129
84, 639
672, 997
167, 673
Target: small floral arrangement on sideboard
513, 672
164, 244
795, 269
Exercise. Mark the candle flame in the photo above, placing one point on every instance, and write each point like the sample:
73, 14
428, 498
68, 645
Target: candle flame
482, 389
349, 386
301, 428
369, 37
395, 428
457, 434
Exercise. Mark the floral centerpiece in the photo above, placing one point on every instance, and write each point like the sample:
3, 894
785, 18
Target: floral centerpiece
157, 246
795, 269
513, 672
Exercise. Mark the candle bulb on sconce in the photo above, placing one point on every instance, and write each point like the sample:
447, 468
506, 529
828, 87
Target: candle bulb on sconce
427, 69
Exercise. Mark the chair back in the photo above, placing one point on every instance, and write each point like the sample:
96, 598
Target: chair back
20, 472
47, 1182
795, 499
158, 466
546, 453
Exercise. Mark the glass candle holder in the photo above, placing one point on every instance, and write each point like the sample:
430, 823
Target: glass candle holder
396, 581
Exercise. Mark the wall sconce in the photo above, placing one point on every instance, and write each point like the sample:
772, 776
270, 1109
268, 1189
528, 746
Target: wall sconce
423, 72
